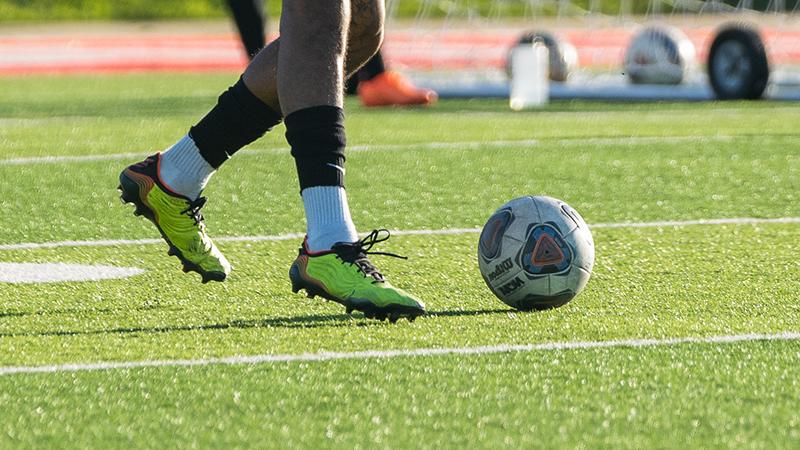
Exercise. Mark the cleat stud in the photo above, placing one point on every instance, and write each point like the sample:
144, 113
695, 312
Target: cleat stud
309, 295
393, 319
412, 318
349, 310
295, 290
185, 269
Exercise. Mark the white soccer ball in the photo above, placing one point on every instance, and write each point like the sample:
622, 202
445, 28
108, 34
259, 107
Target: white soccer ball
659, 55
536, 253
563, 56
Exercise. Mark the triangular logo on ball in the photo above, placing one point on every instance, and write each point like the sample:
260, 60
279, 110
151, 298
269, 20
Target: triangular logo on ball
546, 252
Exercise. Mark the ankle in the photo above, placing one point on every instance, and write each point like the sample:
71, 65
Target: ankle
184, 170
328, 217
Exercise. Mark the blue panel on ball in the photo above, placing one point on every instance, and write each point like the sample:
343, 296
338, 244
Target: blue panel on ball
492, 234
545, 251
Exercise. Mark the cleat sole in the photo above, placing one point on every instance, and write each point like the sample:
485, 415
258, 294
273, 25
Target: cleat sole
391, 312
369, 310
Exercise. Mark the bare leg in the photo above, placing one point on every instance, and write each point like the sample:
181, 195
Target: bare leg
311, 58
365, 34
252, 107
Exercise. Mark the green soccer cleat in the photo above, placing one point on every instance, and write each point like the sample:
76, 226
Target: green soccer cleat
345, 275
177, 218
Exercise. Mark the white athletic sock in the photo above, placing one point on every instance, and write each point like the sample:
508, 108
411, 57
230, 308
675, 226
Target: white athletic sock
184, 170
327, 217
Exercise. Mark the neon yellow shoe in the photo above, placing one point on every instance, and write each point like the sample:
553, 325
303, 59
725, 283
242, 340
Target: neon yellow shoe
345, 275
177, 218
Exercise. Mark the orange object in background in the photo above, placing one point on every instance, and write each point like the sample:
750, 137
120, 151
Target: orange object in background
391, 88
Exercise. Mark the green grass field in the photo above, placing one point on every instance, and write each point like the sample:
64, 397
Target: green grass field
63, 141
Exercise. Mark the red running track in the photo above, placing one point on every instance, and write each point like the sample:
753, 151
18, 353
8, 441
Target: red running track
408, 50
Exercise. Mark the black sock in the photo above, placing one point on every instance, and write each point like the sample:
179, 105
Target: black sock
250, 19
372, 68
238, 119
351, 85
317, 138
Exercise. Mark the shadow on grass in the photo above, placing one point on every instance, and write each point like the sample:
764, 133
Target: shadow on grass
163, 107
312, 321
79, 311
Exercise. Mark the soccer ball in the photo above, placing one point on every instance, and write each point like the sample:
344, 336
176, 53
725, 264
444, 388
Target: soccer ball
659, 55
535, 253
563, 56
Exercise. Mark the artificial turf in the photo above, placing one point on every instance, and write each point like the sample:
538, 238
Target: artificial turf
614, 163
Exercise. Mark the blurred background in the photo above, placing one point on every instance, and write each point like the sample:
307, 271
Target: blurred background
460, 48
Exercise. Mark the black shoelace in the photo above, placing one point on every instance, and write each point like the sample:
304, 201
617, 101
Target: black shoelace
355, 253
193, 210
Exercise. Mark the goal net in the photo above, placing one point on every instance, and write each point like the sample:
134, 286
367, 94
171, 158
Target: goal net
623, 49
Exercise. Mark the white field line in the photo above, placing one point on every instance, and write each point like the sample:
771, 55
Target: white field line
38, 121
384, 354
465, 145
55, 272
445, 231
68, 159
